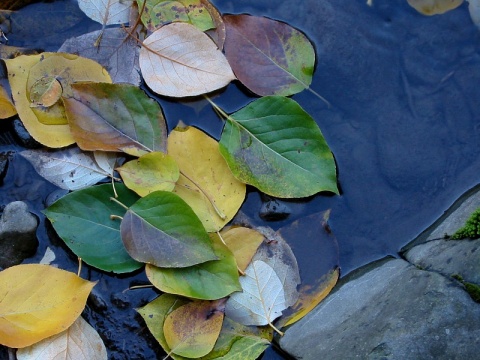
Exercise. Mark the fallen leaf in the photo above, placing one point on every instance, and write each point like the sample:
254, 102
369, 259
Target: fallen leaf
83, 220
106, 12
80, 342
219, 33
6, 107
48, 125
115, 117
150, 172
474, 9
179, 60
206, 183
262, 299
106, 161
162, 12
243, 242
161, 229
274, 145
434, 7
191, 330
269, 57
117, 53
68, 168
210, 280
246, 348
38, 301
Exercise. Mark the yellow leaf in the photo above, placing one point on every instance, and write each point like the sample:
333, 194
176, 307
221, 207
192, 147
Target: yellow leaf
434, 7
38, 301
39, 81
150, 172
243, 243
206, 182
192, 329
6, 107
79, 342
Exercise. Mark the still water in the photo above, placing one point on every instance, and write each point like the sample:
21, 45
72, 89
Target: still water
403, 126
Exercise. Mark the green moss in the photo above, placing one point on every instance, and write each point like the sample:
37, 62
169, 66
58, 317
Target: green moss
473, 290
471, 230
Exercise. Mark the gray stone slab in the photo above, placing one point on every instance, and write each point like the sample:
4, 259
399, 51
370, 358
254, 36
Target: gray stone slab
391, 311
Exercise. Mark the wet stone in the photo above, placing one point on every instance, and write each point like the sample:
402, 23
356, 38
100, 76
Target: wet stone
274, 209
96, 301
120, 300
4, 158
23, 137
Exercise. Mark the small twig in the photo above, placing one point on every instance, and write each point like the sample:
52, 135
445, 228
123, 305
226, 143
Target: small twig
119, 203
79, 266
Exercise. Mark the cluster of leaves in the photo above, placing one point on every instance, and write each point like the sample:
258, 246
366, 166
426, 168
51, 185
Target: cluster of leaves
435, 7
172, 195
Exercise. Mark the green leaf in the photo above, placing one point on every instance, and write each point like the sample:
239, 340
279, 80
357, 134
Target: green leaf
208, 281
161, 229
82, 219
274, 145
115, 117
246, 348
150, 172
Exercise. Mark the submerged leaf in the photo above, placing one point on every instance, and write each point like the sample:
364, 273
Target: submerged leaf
262, 299
274, 145
107, 12
69, 169
150, 172
38, 301
206, 183
207, 281
434, 7
48, 125
161, 229
115, 117
80, 342
192, 329
179, 60
269, 57
83, 220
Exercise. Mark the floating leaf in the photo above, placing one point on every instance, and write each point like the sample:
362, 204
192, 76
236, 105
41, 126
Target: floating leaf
149, 173
207, 281
161, 229
115, 117
274, 145
269, 57
117, 52
38, 301
262, 299
80, 342
83, 220
434, 7
69, 169
6, 107
243, 242
107, 12
48, 125
179, 60
191, 330
162, 12
206, 183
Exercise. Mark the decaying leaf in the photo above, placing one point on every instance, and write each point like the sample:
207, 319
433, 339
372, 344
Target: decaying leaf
191, 330
115, 117
117, 52
161, 229
434, 7
205, 182
38, 301
150, 172
6, 107
276, 146
107, 12
219, 33
79, 342
68, 168
179, 60
83, 219
162, 12
243, 242
48, 124
262, 299
207, 281
269, 57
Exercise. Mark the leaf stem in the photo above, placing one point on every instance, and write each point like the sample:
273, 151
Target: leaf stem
274, 328
320, 97
116, 217
217, 108
212, 202
79, 266
119, 203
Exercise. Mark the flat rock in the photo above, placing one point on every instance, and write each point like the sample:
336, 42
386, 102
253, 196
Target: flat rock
389, 310
17, 234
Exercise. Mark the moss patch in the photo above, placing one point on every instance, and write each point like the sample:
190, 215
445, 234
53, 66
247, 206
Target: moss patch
471, 230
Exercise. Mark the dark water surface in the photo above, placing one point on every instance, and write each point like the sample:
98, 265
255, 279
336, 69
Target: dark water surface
404, 127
